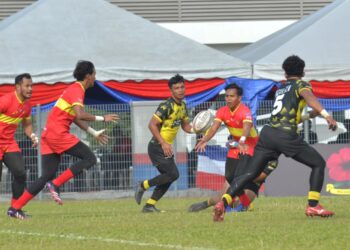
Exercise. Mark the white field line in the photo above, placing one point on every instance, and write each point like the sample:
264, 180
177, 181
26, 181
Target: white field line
109, 240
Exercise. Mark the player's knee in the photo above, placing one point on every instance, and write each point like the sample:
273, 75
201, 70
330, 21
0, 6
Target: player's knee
320, 164
38, 185
91, 159
174, 175
19, 174
323, 163
20, 178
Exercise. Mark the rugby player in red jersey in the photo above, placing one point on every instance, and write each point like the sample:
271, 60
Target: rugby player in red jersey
238, 119
56, 138
15, 109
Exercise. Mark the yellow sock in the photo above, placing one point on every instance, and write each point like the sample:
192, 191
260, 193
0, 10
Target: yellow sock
314, 196
145, 184
228, 198
151, 202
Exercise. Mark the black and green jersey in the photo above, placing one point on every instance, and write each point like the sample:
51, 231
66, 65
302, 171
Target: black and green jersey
171, 115
288, 105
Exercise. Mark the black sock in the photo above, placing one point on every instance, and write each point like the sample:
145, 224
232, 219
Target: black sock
206, 203
313, 203
225, 202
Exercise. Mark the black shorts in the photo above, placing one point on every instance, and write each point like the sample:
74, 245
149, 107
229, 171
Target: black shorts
235, 167
274, 142
159, 160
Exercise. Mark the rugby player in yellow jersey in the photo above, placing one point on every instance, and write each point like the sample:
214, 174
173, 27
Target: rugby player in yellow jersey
164, 125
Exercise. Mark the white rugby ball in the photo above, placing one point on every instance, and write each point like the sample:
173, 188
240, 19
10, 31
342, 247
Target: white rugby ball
202, 121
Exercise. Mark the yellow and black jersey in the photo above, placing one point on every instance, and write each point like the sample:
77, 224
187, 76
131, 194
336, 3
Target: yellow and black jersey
288, 105
171, 115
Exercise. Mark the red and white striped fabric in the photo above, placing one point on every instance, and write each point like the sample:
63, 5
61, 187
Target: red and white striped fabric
211, 168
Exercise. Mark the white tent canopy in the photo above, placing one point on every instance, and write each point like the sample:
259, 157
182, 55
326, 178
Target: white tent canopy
321, 39
47, 39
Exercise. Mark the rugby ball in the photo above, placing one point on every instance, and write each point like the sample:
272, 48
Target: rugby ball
202, 121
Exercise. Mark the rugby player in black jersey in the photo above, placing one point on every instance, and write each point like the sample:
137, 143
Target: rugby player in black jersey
164, 125
280, 137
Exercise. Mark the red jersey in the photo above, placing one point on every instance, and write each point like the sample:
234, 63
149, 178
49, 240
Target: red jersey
12, 112
234, 122
62, 115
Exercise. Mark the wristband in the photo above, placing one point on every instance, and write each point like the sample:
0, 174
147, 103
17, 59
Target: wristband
324, 113
99, 118
305, 117
93, 132
34, 137
243, 138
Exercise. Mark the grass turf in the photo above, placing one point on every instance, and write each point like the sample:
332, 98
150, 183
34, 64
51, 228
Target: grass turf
275, 223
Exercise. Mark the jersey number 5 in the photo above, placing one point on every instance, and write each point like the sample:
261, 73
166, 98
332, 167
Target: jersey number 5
278, 105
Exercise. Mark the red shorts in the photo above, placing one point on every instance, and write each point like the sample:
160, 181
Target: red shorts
11, 146
57, 145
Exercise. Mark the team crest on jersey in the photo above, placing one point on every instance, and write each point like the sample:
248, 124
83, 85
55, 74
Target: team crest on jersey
176, 123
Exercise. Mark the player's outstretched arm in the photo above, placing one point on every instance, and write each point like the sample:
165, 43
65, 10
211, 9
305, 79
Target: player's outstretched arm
81, 114
200, 147
99, 135
186, 126
313, 102
312, 114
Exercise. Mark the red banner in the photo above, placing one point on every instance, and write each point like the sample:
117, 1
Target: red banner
47, 93
42, 93
159, 88
337, 89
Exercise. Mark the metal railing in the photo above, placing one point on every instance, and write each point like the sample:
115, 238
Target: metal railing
124, 160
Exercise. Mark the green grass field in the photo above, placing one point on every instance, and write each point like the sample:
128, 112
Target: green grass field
275, 223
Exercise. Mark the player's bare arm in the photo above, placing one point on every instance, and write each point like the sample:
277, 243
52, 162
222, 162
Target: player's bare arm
154, 126
242, 146
28, 130
313, 102
186, 126
100, 136
312, 114
200, 147
81, 114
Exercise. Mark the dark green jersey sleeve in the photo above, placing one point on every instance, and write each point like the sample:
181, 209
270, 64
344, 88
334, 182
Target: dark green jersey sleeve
302, 85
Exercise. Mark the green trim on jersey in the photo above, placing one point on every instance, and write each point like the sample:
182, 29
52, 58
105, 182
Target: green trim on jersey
289, 105
171, 115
